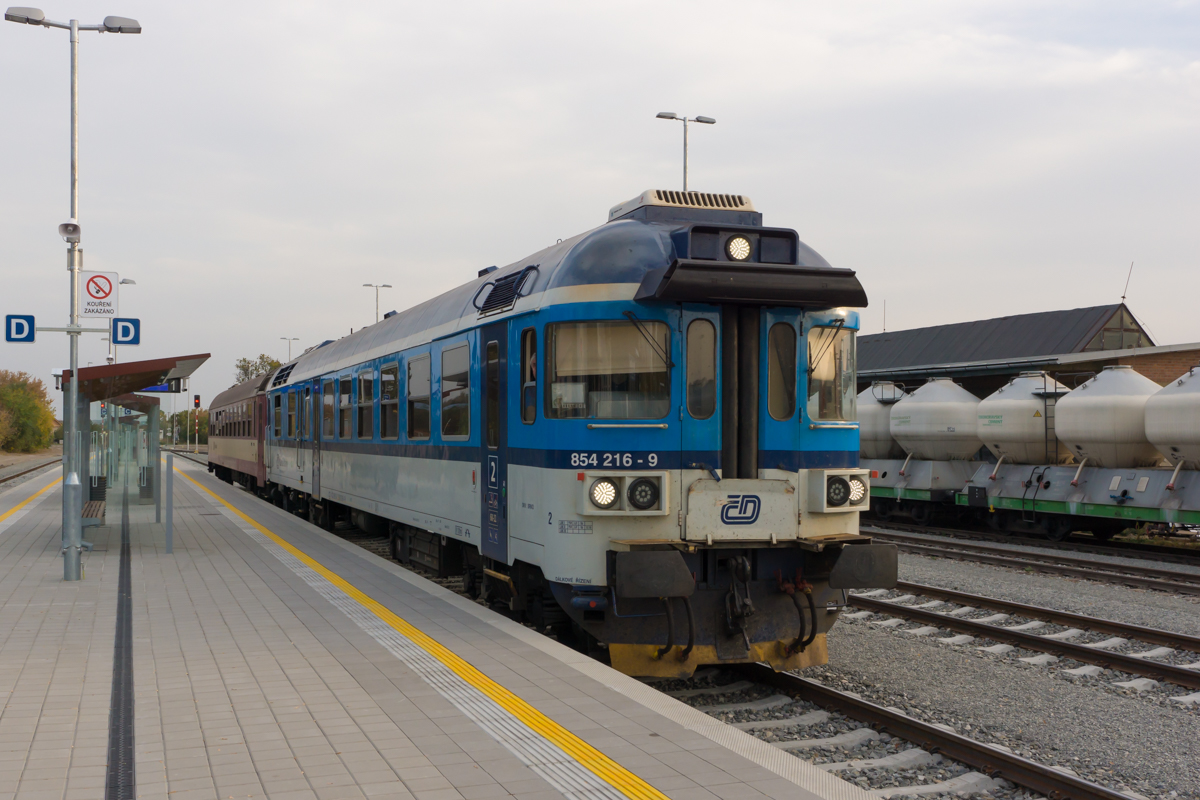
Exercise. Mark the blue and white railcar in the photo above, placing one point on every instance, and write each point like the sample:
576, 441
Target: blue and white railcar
646, 433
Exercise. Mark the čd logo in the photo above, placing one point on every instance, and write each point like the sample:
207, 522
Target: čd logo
740, 509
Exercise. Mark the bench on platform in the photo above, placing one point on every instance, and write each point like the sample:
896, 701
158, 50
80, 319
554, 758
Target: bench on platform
93, 512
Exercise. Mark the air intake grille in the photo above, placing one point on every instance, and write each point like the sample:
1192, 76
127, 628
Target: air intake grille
282, 376
701, 199
505, 293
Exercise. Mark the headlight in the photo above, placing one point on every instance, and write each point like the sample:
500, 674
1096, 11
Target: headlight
858, 491
738, 248
643, 494
837, 491
604, 493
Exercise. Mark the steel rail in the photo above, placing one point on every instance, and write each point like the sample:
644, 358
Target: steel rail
7, 478
1031, 641
992, 761
1134, 550
1162, 580
1150, 635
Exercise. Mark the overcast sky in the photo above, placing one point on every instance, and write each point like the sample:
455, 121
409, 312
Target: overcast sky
251, 165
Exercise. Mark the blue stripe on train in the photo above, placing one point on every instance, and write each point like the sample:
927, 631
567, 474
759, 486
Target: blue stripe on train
789, 460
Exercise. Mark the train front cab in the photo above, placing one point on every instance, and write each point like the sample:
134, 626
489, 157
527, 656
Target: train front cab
693, 469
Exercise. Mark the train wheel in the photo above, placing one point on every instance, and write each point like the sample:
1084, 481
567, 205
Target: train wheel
921, 513
1059, 529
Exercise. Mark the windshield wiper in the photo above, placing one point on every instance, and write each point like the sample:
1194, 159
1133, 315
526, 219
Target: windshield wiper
833, 332
641, 328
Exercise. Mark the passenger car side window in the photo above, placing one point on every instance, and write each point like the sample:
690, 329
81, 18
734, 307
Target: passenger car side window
345, 420
328, 398
456, 391
389, 401
418, 398
366, 404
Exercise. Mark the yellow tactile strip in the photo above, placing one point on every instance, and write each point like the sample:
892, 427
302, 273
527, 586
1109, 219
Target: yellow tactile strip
30, 499
611, 775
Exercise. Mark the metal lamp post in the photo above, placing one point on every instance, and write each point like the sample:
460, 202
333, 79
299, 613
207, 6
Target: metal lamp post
72, 489
289, 341
685, 121
377, 287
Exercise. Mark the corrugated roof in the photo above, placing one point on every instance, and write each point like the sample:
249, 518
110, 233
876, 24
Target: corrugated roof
1018, 336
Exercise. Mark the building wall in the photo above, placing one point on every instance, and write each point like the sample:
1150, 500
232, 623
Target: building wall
1162, 368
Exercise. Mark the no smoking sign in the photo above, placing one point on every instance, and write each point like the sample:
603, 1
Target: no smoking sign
99, 295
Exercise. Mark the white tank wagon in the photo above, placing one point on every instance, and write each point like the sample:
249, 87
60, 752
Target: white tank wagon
1017, 421
1173, 421
1104, 420
937, 422
875, 405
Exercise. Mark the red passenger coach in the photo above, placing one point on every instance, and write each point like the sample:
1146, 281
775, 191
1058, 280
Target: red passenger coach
236, 422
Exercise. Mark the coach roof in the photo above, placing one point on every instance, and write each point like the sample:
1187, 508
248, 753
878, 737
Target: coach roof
619, 253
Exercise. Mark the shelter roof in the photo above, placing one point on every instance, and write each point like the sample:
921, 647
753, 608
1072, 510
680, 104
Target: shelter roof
113, 380
137, 402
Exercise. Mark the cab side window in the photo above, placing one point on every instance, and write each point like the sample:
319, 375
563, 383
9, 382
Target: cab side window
529, 393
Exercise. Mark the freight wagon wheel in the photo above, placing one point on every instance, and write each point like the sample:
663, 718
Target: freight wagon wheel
1059, 529
921, 513
883, 508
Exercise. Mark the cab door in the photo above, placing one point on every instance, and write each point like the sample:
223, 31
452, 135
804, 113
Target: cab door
493, 358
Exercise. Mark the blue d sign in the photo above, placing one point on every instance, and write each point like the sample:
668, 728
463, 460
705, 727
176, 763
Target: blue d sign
126, 331
19, 328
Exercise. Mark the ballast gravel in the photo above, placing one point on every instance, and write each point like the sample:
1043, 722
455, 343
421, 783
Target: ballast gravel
1124, 739
1171, 612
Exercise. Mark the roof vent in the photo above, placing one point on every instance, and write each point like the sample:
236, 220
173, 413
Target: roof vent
282, 376
504, 294
389, 315
487, 270
675, 199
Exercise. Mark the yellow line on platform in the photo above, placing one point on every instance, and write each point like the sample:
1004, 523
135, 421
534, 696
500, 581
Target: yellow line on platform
589, 757
30, 499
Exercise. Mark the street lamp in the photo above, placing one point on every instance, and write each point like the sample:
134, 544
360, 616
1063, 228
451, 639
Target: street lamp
377, 287
72, 489
289, 341
685, 121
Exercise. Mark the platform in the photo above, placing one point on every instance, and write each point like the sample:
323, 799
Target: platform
271, 659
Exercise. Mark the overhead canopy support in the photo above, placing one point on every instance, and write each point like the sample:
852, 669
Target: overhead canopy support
742, 283
113, 380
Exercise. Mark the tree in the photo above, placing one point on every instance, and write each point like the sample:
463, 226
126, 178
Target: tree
247, 368
26, 405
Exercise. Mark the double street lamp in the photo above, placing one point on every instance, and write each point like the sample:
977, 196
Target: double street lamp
685, 121
289, 340
72, 489
377, 287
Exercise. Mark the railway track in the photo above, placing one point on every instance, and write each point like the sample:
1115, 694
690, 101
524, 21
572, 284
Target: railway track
796, 708
1051, 562
1077, 544
1025, 634
16, 475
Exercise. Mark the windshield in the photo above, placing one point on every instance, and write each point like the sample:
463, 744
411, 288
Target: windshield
608, 370
831, 374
